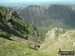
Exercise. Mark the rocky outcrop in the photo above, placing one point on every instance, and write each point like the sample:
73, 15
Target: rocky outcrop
58, 38
54, 33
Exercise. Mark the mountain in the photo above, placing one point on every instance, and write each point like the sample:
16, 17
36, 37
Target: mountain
13, 27
18, 38
49, 15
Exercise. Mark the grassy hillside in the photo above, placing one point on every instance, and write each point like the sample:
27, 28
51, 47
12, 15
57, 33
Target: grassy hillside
12, 48
12, 25
20, 35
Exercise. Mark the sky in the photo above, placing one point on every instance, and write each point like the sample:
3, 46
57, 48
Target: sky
51, 1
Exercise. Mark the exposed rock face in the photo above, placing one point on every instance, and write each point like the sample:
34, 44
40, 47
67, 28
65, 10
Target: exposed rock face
54, 33
49, 16
58, 38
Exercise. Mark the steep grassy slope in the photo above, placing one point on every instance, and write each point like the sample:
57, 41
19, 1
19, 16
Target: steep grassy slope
49, 16
12, 25
17, 38
11, 48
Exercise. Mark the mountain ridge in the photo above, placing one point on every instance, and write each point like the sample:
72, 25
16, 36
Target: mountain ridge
49, 16
11, 25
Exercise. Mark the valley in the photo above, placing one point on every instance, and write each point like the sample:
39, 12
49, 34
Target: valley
37, 30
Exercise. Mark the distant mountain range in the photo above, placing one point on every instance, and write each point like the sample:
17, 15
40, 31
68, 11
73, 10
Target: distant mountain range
13, 5
49, 15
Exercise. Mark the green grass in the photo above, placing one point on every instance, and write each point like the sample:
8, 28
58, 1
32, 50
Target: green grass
72, 35
53, 52
43, 31
12, 48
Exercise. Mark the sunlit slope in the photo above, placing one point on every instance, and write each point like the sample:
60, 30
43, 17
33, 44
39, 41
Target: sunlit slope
11, 48
59, 38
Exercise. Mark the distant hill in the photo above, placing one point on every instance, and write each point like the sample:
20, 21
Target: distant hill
49, 15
